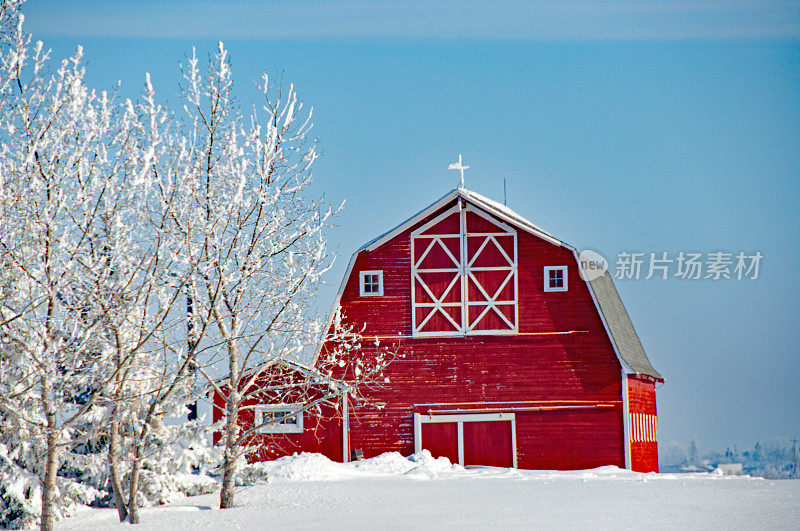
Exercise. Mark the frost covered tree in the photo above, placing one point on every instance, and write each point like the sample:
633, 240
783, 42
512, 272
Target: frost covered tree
255, 238
125, 231
56, 161
84, 305
56, 134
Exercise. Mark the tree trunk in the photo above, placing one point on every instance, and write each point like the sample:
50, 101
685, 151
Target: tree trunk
49, 483
136, 469
51, 467
229, 461
231, 428
113, 470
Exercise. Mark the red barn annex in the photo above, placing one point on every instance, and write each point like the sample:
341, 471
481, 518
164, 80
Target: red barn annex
510, 357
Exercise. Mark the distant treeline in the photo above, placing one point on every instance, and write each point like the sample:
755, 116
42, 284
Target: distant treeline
773, 458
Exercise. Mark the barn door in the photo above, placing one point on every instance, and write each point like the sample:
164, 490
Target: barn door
491, 272
487, 439
437, 273
488, 443
464, 274
441, 439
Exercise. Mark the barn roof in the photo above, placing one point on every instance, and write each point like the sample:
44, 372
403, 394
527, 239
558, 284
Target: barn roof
616, 319
619, 325
500, 210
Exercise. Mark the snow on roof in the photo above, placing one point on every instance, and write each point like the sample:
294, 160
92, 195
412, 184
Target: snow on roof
509, 214
500, 210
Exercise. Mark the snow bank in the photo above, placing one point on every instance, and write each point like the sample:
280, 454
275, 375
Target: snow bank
167, 488
421, 465
316, 467
428, 467
298, 467
308, 467
388, 463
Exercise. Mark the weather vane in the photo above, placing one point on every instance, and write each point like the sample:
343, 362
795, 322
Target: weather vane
460, 167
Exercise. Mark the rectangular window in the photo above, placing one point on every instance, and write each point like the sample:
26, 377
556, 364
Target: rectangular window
279, 419
371, 283
555, 278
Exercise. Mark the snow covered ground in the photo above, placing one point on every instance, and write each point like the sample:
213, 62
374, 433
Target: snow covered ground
390, 491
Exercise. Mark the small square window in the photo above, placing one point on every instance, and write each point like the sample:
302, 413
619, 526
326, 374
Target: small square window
371, 283
279, 419
555, 278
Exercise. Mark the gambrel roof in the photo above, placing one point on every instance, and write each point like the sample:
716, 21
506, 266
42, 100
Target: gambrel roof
618, 322
609, 305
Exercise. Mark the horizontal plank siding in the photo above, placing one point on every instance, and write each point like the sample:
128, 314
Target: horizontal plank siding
570, 439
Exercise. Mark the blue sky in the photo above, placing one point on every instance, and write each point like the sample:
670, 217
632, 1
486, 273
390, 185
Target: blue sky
619, 126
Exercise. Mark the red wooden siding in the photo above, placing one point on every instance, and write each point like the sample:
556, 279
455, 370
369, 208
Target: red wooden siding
322, 426
576, 366
322, 433
642, 422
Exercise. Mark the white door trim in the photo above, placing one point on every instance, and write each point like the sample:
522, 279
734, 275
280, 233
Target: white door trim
420, 419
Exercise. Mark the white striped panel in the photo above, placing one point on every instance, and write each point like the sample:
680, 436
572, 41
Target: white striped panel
643, 428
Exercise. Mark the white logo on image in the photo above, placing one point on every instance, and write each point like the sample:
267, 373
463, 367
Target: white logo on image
593, 264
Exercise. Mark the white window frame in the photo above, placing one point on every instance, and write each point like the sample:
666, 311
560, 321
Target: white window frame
362, 275
547, 277
459, 420
275, 427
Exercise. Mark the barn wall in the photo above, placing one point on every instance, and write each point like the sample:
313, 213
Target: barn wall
569, 440
580, 366
643, 432
322, 426
322, 433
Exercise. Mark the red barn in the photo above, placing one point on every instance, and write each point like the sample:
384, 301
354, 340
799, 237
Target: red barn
510, 357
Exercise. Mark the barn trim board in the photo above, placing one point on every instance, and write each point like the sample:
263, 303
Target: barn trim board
626, 425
